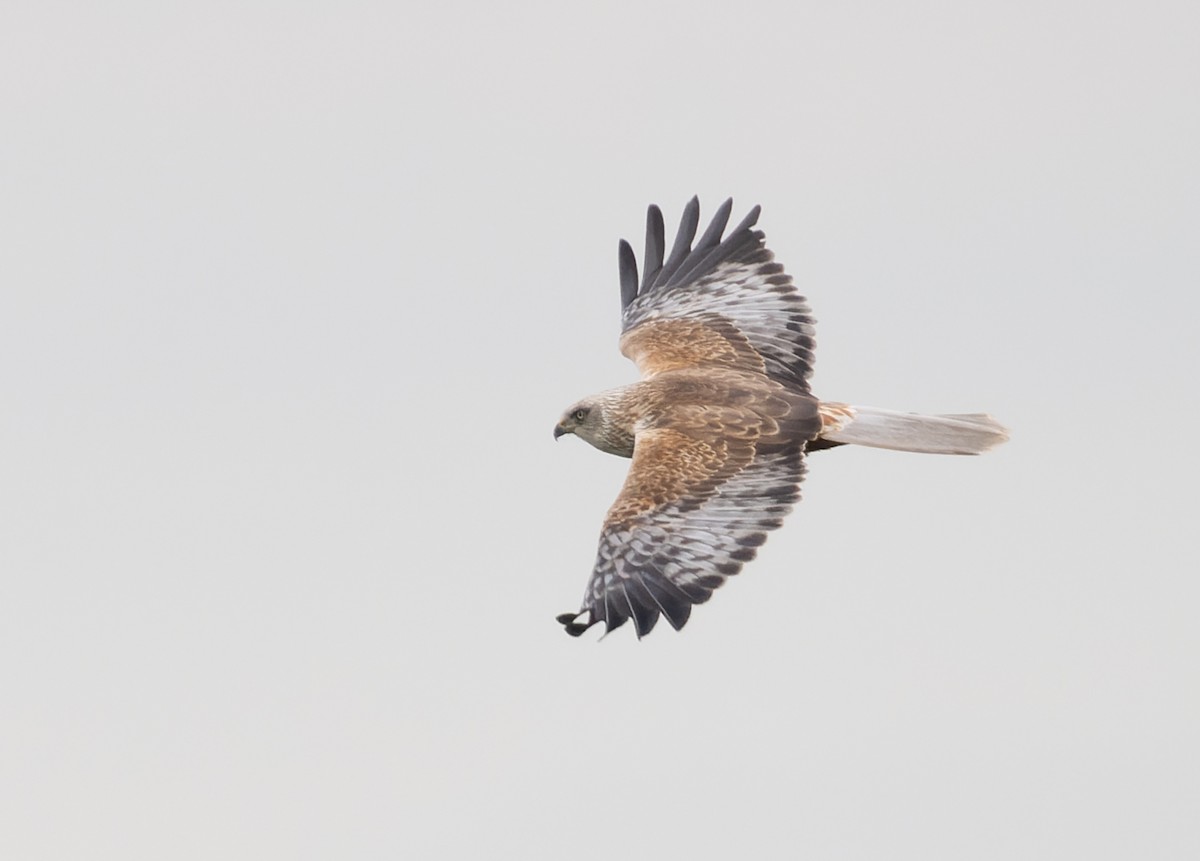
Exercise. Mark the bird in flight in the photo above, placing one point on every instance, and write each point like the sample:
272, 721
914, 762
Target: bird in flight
720, 423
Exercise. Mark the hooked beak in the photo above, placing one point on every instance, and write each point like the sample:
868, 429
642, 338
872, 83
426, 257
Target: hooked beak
559, 430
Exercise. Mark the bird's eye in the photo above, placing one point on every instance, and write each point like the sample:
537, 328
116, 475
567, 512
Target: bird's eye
580, 415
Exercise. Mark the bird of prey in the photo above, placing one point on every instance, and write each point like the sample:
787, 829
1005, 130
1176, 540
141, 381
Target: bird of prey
720, 423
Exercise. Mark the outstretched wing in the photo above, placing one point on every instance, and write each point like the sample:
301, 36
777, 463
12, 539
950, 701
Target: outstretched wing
692, 512
722, 302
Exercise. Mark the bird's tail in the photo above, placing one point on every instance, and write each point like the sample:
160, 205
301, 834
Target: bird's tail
972, 433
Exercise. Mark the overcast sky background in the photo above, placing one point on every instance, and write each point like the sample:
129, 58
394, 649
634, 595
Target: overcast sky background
291, 296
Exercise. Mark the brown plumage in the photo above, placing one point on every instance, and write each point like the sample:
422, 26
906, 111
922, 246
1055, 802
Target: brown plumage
719, 424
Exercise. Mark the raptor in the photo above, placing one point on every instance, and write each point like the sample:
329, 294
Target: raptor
720, 423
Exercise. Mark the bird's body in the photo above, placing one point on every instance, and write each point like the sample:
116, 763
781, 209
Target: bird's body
685, 397
720, 423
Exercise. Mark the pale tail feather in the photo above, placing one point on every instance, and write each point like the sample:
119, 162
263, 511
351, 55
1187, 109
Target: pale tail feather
972, 433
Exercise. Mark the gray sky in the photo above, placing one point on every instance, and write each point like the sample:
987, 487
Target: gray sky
291, 296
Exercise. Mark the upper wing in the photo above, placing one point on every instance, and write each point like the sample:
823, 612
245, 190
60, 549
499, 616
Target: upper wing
692, 511
723, 302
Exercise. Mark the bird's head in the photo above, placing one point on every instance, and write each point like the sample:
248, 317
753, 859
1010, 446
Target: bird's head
602, 421
582, 419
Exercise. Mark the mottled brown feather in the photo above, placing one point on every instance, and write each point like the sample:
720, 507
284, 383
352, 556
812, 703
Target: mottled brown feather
708, 340
670, 466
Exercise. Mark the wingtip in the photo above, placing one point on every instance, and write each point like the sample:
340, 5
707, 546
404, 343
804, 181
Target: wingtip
573, 627
747, 223
716, 227
652, 260
627, 266
726, 207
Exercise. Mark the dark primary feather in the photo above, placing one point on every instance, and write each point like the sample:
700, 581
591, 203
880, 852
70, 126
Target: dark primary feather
655, 242
741, 238
685, 262
710, 240
683, 240
627, 264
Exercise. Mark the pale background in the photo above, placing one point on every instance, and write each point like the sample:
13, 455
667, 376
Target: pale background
292, 294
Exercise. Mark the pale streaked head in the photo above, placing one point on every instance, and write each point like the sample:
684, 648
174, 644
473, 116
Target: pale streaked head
582, 419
